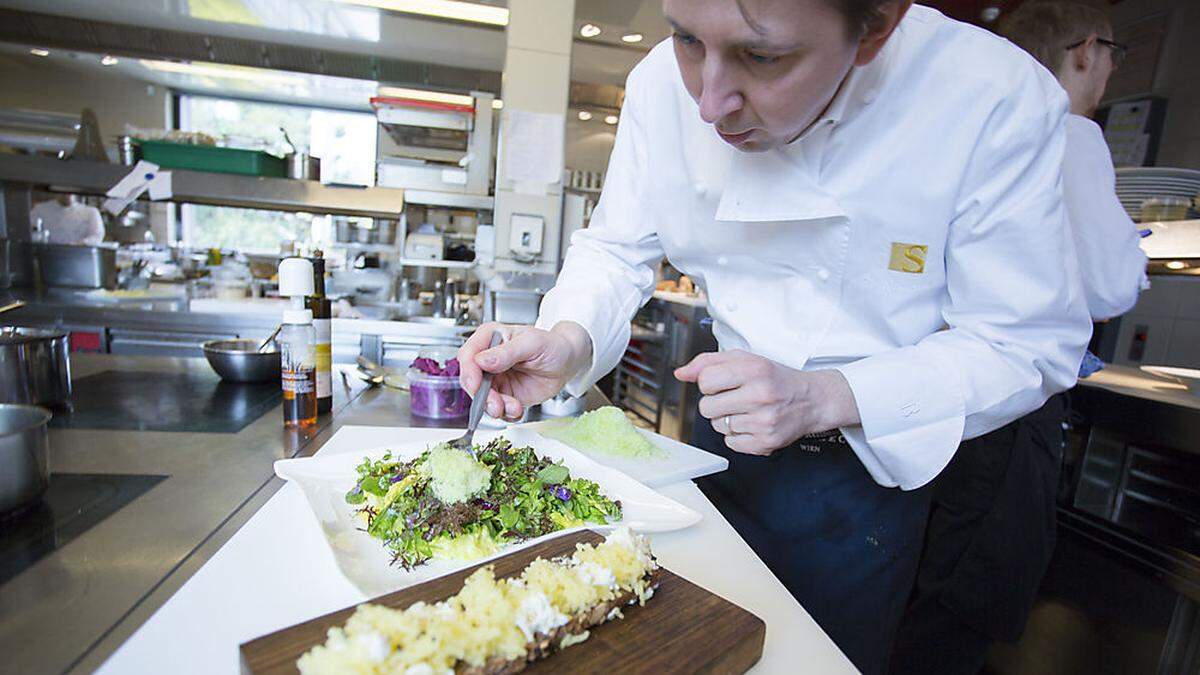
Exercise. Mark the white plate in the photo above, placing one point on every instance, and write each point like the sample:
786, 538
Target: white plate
1186, 376
680, 461
324, 480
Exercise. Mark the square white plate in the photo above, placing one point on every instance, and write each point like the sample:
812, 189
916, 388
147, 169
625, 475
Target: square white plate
365, 561
680, 461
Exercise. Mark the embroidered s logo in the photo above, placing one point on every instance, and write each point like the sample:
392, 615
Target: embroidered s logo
908, 258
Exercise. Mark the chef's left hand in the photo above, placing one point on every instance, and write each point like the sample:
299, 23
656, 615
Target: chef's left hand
761, 406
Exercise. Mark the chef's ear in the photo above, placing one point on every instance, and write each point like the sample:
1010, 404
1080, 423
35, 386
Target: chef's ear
878, 29
1083, 55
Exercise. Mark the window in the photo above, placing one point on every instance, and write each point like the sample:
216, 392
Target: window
344, 140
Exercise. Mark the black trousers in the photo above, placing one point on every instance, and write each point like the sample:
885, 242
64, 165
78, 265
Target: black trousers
990, 536
845, 547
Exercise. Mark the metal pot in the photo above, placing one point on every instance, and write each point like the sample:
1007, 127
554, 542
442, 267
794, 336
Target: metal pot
24, 455
35, 367
77, 266
303, 166
240, 361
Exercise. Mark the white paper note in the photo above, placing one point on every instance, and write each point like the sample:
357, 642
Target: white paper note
130, 187
533, 147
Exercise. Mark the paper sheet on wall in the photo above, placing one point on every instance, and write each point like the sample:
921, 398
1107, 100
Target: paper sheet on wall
1124, 131
533, 148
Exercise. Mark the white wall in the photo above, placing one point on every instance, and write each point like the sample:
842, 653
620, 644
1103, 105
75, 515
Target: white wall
43, 84
1177, 77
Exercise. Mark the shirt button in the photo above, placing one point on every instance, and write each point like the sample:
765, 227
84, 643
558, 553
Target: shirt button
699, 189
722, 260
822, 273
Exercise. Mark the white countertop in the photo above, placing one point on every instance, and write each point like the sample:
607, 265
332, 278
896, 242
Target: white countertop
277, 571
698, 300
1136, 382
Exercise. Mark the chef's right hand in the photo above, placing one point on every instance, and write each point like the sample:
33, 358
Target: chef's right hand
530, 366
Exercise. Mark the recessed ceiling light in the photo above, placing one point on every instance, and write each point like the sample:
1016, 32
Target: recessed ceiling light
589, 30
584, 115
632, 37
497, 104
611, 119
108, 60
990, 14
1176, 265
37, 51
454, 10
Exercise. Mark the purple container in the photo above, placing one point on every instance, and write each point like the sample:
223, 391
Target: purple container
436, 396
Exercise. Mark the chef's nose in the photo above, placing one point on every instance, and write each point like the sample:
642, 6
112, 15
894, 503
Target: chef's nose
719, 94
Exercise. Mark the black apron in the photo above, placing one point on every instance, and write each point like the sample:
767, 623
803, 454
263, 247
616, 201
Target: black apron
990, 537
845, 547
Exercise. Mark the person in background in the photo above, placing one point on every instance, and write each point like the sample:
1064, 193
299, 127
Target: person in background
992, 524
66, 220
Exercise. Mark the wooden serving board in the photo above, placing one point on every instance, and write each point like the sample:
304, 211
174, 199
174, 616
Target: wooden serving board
683, 628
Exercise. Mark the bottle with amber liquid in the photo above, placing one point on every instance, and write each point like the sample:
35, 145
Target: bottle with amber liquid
322, 311
298, 357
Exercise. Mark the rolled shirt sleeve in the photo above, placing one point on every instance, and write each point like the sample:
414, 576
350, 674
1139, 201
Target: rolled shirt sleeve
609, 270
1017, 321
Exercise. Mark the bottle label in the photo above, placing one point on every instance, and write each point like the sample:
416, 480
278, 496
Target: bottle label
324, 349
297, 381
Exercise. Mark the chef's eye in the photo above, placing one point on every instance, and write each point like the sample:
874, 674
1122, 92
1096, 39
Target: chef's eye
684, 38
761, 58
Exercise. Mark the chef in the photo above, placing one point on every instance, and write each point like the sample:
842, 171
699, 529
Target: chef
992, 526
66, 220
869, 193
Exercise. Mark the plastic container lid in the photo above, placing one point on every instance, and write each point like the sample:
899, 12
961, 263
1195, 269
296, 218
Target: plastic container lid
297, 316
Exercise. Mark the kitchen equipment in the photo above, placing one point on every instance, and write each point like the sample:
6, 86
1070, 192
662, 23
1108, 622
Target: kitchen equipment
478, 404
1188, 377
240, 361
300, 165
127, 150
682, 627
1164, 209
385, 231
24, 455
77, 266
35, 367
425, 246
15, 267
373, 374
1135, 185
211, 158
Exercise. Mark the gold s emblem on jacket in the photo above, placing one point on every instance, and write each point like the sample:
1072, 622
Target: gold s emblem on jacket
908, 257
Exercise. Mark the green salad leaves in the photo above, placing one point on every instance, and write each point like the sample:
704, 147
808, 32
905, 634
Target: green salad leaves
527, 496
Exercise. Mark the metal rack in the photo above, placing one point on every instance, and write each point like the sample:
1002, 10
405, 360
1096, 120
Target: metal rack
640, 377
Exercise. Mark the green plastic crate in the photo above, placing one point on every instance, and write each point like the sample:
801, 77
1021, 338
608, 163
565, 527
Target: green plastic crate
211, 158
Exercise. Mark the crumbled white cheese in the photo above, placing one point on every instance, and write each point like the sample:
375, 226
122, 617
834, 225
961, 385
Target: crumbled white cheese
419, 669
537, 615
374, 646
596, 575
574, 639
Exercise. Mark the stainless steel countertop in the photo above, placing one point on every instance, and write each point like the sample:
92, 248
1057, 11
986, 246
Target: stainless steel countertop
73, 608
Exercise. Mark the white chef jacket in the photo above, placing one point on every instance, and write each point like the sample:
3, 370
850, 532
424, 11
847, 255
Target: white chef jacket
1111, 261
951, 139
72, 224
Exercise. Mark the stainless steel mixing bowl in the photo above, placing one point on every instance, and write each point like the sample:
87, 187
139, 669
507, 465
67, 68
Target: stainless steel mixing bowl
24, 455
239, 360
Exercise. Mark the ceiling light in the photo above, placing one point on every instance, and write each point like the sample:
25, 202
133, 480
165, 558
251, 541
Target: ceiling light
38, 51
584, 115
454, 10
632, 37
990, 14
1176, 265
219, 70
497, 104
431, 96
108, 60
589, 30
611, 119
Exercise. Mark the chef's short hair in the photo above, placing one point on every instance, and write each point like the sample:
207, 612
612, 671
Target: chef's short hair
1045, 28
859, 14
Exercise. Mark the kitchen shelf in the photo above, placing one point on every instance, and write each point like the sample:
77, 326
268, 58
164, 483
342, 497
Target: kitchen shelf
448, 264
212, 189
455, 200
369, 248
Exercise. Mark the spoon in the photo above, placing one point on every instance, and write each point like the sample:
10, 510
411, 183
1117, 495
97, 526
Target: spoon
477, 406
263, 345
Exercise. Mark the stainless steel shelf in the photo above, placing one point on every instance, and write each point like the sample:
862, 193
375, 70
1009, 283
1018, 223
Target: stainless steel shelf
212, 189
450, 199
448, 264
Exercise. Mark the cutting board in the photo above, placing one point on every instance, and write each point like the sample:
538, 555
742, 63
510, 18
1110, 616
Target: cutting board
683, 628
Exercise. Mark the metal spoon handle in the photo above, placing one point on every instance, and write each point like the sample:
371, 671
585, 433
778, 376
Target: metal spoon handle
263, 345
479, 403
17, 304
